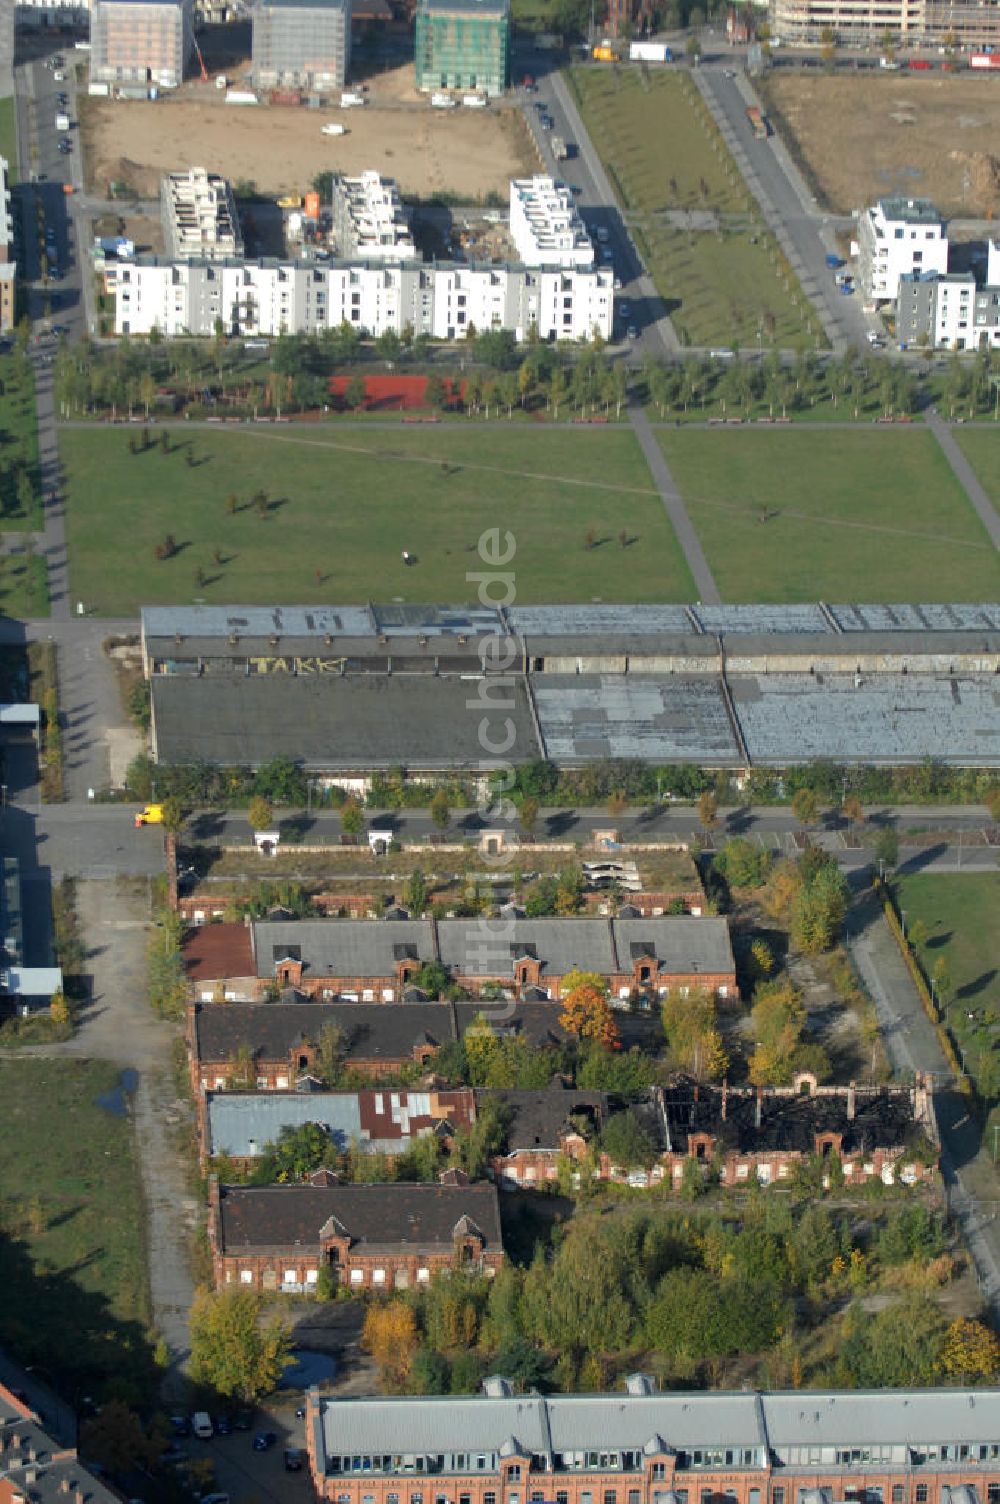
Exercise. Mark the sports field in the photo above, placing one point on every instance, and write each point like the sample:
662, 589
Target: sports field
693, 219
326, 514
846, 515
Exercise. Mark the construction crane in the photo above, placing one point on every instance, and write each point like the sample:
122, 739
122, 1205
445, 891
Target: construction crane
201, 60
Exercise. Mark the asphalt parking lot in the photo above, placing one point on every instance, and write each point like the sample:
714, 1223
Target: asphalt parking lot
246, 1475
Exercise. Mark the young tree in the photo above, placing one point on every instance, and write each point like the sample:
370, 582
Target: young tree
296, 1153
708, 810
328, 1059
853, 811
805, 806
971, 1353
692, 1035
528, 814
778, 1019
887, 847
627, 1142
233, 1350
352, 817
415, 892
390, 1335
355, 393
260, 815
586, 1011
173, 814
440, 809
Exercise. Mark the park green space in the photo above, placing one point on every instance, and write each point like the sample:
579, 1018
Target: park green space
72, 1266
18, 446
854, 515
663, 152
24, 587
954, 920
8, 138
338, 509
981, 447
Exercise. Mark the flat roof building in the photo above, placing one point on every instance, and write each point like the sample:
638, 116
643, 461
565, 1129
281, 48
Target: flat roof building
898, 236
463, 44
199, 215
301, 44
369, 220
141, 41
814, 1446
545, 226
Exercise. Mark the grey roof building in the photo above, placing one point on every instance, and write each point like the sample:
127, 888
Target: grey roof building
242, 1124
343, 947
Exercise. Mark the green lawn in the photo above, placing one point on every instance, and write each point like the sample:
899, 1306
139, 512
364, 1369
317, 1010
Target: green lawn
663, 153
72, 1266
798, 515
342, 509
981, 447
959, 915
18, 446
8, 138
24, 587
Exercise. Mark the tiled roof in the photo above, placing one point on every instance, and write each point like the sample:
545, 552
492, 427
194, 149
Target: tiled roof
378, 1217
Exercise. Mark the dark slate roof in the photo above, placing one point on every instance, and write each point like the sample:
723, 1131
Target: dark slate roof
536, 1022
329, 722
536, 1119
372, 1031
342, 947
378, 1217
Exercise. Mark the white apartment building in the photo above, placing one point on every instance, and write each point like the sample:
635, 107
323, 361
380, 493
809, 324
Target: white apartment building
199, 215
369, 220
545, 226
441, 299
895, 237
950, 312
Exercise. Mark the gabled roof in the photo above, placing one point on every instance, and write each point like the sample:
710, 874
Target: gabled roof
343, 947
537, 1119
375, 1217
371, 1031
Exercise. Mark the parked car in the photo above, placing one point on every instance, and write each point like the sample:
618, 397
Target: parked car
243, 1420
179, 1424
263, 1441
293, 1460
201, 1421
632, 332
223, 1425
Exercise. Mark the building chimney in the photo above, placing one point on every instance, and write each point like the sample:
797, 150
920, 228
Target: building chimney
64, 1485
851, 1096
758, 1106
79, 1497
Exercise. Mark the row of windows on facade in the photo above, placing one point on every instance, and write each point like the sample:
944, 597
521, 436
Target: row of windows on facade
699, 1457
875, 1495
293, 1282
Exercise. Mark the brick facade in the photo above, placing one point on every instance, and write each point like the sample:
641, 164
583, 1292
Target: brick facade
464, 1234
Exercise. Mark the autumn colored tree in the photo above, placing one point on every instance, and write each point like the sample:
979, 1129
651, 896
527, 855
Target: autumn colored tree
708, 810
586, 1011
805, 806
528, 814
259, 813
390, 1335
233, 1350
778, 1019
992, 801
692, 1033
853, 811
352, 817
971, 1353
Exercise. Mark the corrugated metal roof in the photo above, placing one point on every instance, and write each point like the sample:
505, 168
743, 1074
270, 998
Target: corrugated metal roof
673, 718
241, 1124
958, 618
257, 621
600, 620
888, 718
776, 619
915, 1416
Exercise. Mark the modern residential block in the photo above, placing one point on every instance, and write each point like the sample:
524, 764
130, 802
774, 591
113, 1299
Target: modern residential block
969, 23
898, 236
545, 226
301, 44
141, 41
463, 44
8, 267
198, 211
369, 222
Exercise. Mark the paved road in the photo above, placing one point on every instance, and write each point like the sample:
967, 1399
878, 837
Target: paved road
673, 504
805, 234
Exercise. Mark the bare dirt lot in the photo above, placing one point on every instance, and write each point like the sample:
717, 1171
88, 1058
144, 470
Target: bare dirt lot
937, 137
470, 153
